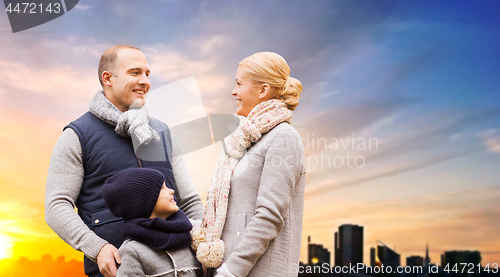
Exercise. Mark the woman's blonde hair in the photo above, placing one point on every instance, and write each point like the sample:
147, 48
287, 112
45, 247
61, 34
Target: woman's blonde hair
271, 68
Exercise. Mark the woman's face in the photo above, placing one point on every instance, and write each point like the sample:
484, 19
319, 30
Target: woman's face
246, 93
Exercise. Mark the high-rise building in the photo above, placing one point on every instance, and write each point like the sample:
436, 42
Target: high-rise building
372, 257
414, 261
387, 256
317, 254
457, 257
349, 245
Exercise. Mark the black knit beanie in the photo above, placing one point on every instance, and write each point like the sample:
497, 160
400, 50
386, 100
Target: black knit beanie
133, 193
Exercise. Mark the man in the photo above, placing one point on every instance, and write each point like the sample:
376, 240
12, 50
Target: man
98, 145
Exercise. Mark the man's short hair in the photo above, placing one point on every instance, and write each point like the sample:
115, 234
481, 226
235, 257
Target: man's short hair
109, 60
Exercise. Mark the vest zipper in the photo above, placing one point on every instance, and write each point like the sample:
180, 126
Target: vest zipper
140, 165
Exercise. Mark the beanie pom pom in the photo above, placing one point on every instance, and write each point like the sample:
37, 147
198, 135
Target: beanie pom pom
198, 236
211, 253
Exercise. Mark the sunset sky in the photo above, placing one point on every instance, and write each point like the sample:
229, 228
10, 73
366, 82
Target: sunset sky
419, 79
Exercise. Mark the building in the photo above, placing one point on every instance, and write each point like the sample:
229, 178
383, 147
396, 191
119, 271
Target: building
387, 256
372, 257
348, 245
452, 258
427, 260
317, 254
414, 261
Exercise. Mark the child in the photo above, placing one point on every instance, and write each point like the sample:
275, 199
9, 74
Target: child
156, 232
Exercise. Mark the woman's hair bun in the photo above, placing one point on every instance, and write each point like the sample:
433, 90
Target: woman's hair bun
290, 92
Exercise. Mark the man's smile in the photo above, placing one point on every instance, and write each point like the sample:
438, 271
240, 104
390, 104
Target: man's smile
139, 91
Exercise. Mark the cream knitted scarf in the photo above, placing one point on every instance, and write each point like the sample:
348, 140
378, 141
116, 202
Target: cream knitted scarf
206, 238
132, 122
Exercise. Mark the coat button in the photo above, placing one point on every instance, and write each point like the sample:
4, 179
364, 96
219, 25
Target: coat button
96, 221
239, 233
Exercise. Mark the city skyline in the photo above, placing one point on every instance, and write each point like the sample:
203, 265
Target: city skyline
333, 254
45, 266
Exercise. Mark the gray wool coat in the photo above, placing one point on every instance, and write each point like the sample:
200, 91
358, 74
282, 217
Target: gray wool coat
263, 229
139, 260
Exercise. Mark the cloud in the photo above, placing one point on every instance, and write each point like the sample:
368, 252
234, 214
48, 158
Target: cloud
51, 82
82, 7
491, 139
339, 121
423, 133
46, 83
199, 59
46, 91
423, 207
22, 221
316, 40
372, 91
50, 77
26, 143
406, 146
331, 186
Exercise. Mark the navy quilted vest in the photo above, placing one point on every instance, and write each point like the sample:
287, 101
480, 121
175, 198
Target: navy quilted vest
104, 154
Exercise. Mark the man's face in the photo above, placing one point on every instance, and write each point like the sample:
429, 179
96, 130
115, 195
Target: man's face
131, 79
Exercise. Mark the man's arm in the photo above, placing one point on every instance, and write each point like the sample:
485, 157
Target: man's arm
189, 199
64, 182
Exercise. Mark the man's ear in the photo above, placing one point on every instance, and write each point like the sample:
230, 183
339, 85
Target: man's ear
106, 78
265, 90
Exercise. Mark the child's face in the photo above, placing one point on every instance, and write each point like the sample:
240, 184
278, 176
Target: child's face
165, 206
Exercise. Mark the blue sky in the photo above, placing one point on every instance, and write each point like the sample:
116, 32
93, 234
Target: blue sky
422, 77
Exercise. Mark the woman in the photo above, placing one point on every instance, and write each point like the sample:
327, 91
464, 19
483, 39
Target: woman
252, 223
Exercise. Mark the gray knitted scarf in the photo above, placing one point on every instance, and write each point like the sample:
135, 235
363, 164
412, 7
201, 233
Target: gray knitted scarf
133, 122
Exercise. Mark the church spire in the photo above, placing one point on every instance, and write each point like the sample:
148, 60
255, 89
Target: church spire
427, 260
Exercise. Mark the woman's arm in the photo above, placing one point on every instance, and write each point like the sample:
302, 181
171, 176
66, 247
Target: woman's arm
282, 168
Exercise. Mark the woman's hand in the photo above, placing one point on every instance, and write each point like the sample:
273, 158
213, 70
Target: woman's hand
223, 272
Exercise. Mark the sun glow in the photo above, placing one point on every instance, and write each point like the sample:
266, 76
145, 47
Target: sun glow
5, 247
